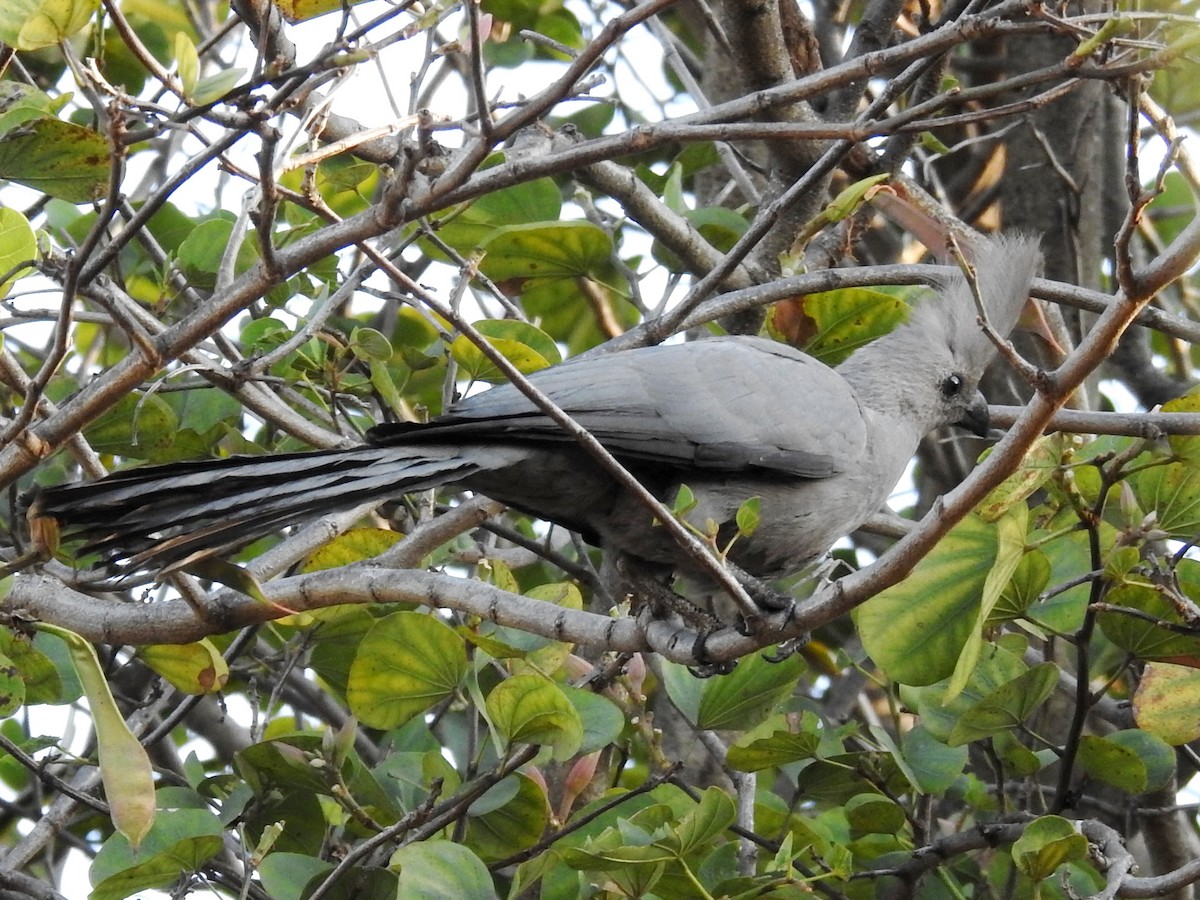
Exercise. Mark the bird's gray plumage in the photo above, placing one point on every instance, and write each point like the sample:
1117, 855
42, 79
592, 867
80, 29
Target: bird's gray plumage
731, 417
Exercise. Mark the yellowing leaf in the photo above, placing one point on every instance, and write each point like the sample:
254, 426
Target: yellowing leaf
526, 346
1047, 843
1039, 464
530, 709
850, 318
62, 159
33, 24
298, 10
195, 668
405, 664
916, 630
187, 62
17, 245
124, 764
1010, 545
353, 546
1166, 703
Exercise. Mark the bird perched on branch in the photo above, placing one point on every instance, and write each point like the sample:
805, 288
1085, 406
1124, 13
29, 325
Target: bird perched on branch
730, 417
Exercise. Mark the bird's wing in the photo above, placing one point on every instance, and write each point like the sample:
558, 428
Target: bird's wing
725, 404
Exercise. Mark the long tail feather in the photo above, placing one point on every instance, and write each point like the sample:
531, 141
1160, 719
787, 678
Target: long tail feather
161, 517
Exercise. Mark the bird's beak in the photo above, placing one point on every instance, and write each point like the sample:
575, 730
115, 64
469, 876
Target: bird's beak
975, 417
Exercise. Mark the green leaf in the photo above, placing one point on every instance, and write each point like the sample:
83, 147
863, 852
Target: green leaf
998, 665
337, 634
935, 764
848, 201
1046, 844
779, 746
1170, 211
286, 875
138, 425
530, 709
182, 840
12, 688
405, 664
202, 251
526, 346
1068, 555
34, 24
23, 102
916, 630
1007, 706
713, 814
873, 813
222, 571
684, 689
546, 250
1147, 639
1018, 759
204, 409
522, 204
718, 225
838, 778
500, 574
1112, 763
1026, 585
931, 143
370, 345
18, 246
563, 311
1153, 753
684, 501
263, 335
550, 19
603, 721
841, 206
441, 869
1172, 492
344, 182
45, 667
215, 86
745, 697
747, 517
512, 827
387, 381
59, 158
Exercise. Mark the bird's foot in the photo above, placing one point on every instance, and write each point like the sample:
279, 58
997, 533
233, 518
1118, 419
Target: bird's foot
764, 596
757, 625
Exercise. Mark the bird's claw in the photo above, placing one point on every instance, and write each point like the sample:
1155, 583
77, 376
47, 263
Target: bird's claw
710, 669
705, 666
748, 626
764, 596
772, 600
787, 649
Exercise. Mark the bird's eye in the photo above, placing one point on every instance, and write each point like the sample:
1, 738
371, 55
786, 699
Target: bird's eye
952, 386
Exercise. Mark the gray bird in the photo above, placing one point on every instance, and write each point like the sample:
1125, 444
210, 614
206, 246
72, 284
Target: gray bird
731, 417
